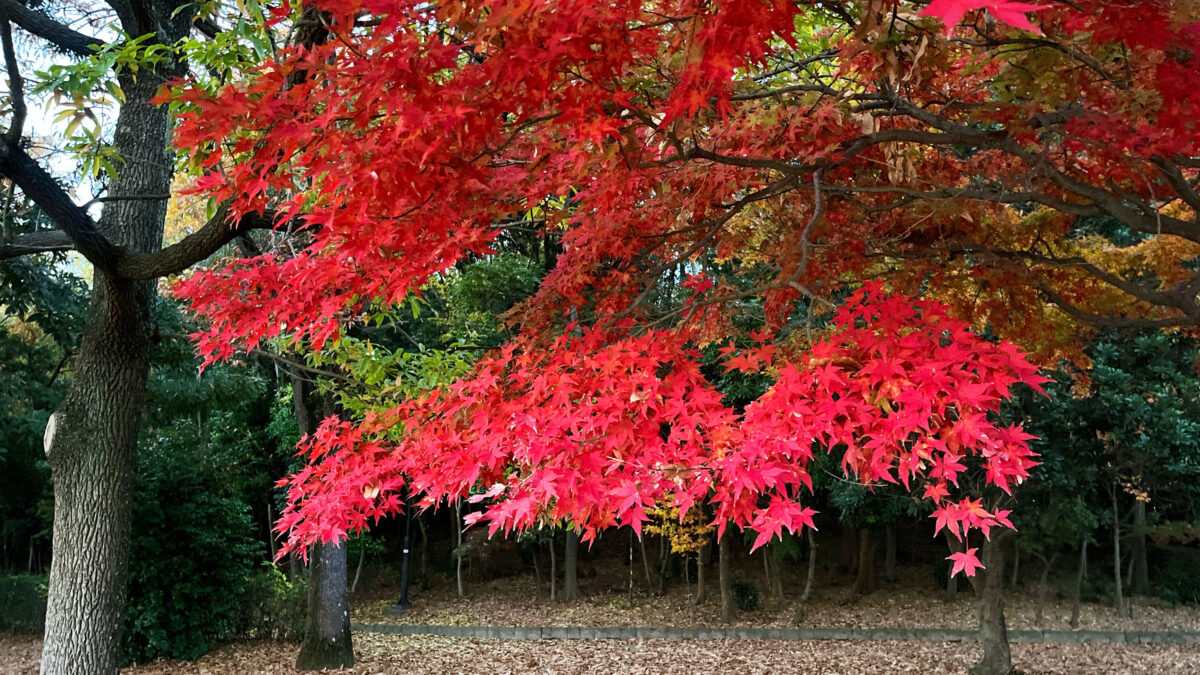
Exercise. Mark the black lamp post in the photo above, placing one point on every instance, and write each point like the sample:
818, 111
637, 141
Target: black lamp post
403, 603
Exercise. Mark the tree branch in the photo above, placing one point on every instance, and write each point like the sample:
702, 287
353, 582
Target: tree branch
47, 241
16, 85
50, 30
40, 187
217, 232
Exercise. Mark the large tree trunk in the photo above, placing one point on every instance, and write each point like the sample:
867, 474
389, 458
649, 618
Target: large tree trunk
728, 608
993, 630
91, 441
571, 567
327, 642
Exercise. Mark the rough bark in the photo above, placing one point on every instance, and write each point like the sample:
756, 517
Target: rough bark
993, 630
92, 440
571, 567
327, 643
728, 608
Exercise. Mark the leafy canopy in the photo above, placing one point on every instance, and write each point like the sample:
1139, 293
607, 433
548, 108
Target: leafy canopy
774, 153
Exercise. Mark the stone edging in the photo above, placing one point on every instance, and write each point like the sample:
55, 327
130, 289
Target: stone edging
705, 633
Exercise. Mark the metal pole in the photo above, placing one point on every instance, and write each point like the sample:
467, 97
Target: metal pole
403, 603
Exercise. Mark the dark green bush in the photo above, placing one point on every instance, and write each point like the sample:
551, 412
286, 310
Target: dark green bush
23, 603
1175, 576
745, 594
192, 552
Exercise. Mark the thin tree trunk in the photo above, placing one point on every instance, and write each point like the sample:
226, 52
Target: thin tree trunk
424, 553
327, 643
664, 558
553, 570
1079, 583
728, 608
537, 572
571, 567
1016, 562
362, 555
646, 565
1044, 588
458, 530
767, 585
1118, 594
701, 585
1140, 583
812, 566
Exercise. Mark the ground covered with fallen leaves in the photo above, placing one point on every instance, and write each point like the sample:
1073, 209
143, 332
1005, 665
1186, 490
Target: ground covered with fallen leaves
912, 602
915, 601
397, 654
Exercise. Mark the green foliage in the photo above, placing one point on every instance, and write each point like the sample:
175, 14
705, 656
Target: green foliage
272, 607
192, 550
42, 308
23, 603
1176, 575
745, 595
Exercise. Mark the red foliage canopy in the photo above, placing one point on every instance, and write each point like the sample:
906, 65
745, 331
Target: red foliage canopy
823, 143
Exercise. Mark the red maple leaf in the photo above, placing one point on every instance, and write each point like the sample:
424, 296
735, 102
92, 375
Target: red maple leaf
965, 561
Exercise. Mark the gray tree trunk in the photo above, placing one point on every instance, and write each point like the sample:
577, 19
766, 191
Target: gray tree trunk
327, 643
91, 443
993, 630
728, 608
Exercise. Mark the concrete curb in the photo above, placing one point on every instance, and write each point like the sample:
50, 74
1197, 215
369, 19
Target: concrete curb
707, 633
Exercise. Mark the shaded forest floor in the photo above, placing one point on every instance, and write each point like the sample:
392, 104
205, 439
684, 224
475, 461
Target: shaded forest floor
916, 601
394, 654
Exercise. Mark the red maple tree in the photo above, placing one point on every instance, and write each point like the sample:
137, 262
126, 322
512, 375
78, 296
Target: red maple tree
815, 145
